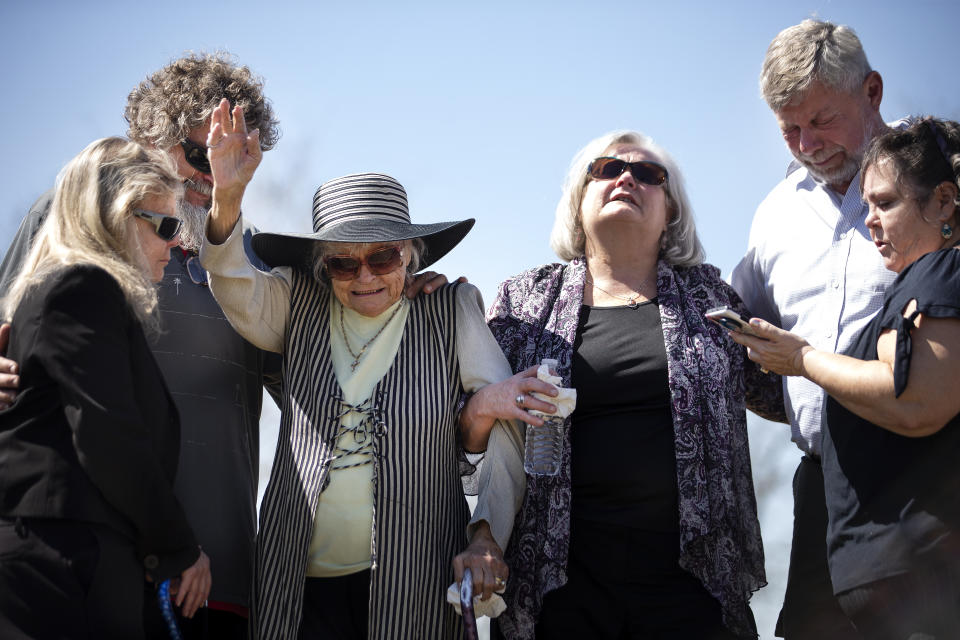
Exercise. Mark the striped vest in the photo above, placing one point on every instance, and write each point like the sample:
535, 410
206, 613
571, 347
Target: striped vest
420, 513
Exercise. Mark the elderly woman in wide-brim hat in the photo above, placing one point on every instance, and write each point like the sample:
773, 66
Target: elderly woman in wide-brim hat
364, 510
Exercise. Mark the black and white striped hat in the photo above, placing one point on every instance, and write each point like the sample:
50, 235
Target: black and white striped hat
360, 207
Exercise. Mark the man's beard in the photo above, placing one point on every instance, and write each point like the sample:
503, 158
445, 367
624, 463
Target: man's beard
194, 225
851, 163
842, 174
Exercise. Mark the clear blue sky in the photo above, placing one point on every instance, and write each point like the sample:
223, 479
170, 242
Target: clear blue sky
477, 111
476, 108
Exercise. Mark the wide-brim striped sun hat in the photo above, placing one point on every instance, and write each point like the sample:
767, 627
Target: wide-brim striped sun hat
360, 207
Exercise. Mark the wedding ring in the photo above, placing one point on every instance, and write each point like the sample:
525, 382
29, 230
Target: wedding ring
519, 400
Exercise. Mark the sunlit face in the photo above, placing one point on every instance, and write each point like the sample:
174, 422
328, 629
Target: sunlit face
827, 131
154, 250
369, 294
624, 205
199, 186
902, 230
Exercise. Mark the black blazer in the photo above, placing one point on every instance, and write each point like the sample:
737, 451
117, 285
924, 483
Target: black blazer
93, 435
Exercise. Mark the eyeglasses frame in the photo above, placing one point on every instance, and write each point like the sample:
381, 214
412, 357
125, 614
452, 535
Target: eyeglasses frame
362, 261
156, 220
630, 166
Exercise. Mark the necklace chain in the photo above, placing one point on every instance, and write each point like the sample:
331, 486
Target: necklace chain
346, 340
631, 301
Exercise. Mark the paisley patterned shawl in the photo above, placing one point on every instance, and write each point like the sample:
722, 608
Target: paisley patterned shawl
535, 316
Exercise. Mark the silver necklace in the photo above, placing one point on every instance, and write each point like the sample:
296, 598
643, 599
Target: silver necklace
346, 340
631, 301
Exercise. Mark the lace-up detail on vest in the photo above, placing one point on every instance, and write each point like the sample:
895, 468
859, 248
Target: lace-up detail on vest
366, 434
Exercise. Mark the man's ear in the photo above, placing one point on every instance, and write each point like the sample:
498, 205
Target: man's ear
873, 89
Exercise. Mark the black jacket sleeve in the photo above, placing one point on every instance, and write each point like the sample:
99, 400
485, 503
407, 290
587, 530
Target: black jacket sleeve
93, 347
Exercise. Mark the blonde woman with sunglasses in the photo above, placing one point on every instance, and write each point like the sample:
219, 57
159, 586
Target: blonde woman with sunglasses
90, 446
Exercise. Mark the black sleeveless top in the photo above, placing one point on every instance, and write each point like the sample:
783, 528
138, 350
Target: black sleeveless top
894, 501
622, 442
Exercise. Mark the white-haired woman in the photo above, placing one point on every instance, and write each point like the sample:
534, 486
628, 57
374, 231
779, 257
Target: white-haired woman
365, 508
650, 529
90, 445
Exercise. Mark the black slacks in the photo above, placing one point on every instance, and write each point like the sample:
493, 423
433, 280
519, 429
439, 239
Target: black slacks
63, 579
810, 610
213, 624
924, 603
335, 608
626, 584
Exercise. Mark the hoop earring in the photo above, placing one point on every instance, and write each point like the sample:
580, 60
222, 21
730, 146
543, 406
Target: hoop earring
946, 231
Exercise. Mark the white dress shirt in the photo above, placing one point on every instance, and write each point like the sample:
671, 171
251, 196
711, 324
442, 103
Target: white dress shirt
811, 268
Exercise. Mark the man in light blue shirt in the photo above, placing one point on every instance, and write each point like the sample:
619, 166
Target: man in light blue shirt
811, 268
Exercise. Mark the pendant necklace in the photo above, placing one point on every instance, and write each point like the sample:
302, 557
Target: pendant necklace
631, 301
346, 340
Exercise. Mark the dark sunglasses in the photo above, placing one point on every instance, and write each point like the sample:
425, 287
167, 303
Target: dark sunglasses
167, 227
196, 156
380, 262
647, 172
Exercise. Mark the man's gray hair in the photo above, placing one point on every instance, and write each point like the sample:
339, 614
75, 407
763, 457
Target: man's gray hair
681, 246
171, 102
812, 51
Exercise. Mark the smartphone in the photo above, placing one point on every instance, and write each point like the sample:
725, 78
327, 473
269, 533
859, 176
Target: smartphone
730, 319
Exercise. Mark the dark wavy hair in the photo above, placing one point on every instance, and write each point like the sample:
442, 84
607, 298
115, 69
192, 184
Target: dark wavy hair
922, 156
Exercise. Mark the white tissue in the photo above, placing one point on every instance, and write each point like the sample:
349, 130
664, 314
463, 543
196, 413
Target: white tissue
490, 608
565, 402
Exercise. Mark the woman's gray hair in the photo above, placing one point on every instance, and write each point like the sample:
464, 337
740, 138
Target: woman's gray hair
680, 246
812, 51
322, 249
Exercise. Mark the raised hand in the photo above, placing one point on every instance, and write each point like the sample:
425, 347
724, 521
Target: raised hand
234, 156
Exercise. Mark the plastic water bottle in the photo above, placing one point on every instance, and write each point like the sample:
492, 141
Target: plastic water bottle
541, 451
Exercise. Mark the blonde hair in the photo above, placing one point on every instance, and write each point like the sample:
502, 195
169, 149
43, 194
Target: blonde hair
681, 246
90, 222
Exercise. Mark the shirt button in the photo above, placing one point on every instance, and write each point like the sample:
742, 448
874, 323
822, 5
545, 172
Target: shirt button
151, 562
843, 236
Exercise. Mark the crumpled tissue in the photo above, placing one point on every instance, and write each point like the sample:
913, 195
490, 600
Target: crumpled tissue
565, 402
490, 608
